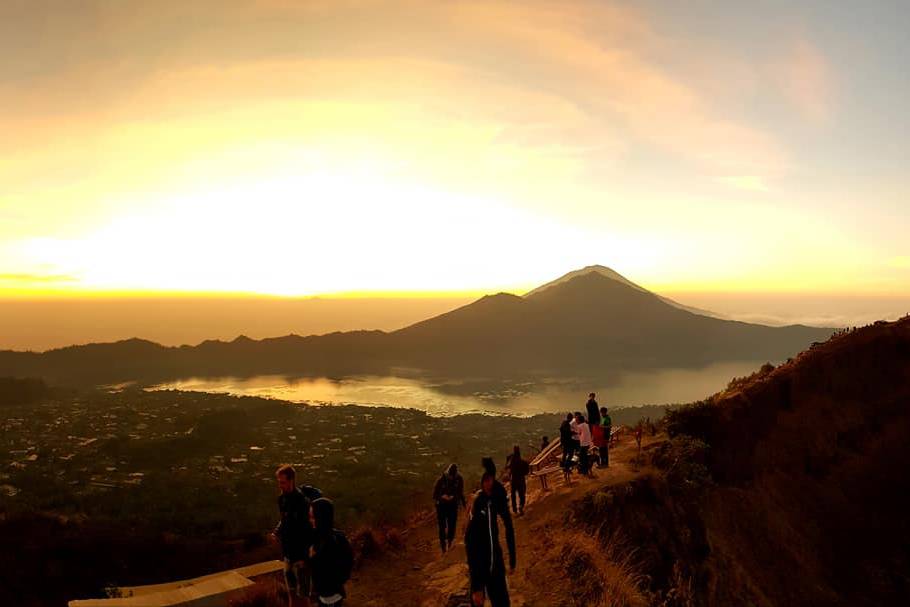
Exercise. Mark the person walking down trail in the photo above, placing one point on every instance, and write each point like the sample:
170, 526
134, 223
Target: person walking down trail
518, 473
607, 424
295, 533
331, 557
592, 410
486, 566
448, 494
499, 491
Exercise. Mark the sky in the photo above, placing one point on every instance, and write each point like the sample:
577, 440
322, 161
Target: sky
452, 148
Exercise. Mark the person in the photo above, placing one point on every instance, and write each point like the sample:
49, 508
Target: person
331, 557
597, 437
486, 567
499, 491
544, 443
518, 472
565, 441
584, 440
593, 410
295, 533
607, 424
448, 494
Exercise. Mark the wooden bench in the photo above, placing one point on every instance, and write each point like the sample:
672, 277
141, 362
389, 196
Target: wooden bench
543, 473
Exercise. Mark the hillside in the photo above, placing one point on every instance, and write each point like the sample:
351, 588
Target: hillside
588, 323
788, 488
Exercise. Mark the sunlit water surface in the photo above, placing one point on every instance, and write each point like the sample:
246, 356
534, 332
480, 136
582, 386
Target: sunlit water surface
451, 397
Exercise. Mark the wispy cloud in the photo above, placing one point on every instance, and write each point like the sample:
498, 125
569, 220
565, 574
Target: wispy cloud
806, 80
32, 279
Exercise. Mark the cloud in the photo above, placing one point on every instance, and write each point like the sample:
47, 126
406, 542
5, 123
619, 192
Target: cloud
752, 183
30, 279
806, 80
597, 65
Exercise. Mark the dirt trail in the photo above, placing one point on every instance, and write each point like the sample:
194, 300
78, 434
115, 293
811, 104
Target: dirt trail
419, 574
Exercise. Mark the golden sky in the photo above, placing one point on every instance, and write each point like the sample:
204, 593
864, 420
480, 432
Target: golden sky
299, 148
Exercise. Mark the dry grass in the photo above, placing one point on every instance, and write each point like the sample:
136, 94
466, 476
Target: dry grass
597, 574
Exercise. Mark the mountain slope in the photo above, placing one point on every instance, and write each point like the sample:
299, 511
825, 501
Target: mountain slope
808, 494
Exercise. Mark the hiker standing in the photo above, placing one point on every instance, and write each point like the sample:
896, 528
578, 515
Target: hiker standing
486, 565
331, 557
573, 425
448, 494
565, 440
593, 410
295, 533
607, 424
518, 472
584, 439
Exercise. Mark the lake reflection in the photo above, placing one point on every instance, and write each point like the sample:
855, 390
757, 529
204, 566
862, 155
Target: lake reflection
451, 397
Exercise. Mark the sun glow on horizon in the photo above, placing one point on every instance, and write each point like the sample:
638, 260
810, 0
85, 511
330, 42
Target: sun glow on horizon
469, 149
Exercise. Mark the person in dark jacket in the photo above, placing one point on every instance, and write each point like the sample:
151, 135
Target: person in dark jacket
593, 410
607, 424
486, 565
295, 533
331, 557
518, 472
566, 441
448, 494
499, 490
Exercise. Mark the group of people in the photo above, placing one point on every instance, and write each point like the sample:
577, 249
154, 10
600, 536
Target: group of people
486, 560
587, 436
318, 559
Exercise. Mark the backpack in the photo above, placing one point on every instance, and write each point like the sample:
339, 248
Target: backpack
311, 493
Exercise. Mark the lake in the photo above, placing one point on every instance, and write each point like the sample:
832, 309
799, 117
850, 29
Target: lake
479, 395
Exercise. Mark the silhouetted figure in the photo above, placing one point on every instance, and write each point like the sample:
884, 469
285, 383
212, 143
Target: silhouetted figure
331, 557
566, 441
607, 424
486, 566
518, 473
448, 494
593, 410
295, 533
544, 443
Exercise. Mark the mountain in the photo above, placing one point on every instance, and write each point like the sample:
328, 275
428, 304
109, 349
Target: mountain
590, 321
614, 275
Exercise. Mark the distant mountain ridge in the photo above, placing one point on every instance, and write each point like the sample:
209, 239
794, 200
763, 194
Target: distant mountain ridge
587, 321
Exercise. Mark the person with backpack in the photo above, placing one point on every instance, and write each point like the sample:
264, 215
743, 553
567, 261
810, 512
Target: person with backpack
295, 533
448, 494
486, 566
331, 556
518, 472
